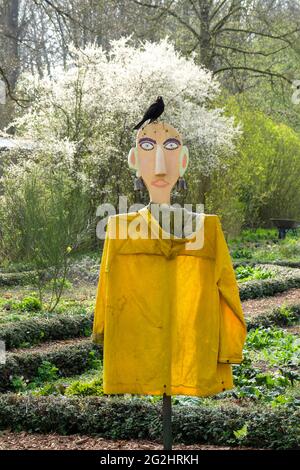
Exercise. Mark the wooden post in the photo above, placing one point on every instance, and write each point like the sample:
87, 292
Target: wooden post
167, 422
159, 195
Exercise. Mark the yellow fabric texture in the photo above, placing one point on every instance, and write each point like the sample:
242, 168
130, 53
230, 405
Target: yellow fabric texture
170, 319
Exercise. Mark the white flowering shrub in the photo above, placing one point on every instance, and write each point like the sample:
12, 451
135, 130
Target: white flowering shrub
84, 115
80, 124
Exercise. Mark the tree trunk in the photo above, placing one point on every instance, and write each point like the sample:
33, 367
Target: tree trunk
9, 54
205, 37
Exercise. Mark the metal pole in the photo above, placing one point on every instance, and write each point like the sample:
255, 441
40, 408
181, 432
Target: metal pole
167, 422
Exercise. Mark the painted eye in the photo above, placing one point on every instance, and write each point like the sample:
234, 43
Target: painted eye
147, 145
171, 145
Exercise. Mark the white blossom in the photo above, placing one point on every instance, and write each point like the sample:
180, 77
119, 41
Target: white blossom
89, 108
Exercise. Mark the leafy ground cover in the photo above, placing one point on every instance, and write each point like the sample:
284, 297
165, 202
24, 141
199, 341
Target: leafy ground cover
263, 244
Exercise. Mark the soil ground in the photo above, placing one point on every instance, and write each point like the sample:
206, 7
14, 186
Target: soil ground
28, 441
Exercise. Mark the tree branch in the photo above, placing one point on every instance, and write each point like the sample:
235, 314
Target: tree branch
265, 54
219, 25
64, 14
218, 8
9, 90
252, 69
195, 10
256, 33
172, 13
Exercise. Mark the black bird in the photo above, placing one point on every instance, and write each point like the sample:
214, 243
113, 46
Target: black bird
153, 112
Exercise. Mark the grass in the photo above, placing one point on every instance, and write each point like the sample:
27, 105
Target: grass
47, 382
16, 304
263, 244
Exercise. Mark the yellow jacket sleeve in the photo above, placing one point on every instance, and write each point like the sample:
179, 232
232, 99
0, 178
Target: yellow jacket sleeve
99, 312
232, 323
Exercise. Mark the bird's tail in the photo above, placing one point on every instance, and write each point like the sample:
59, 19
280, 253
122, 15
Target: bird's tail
138, 125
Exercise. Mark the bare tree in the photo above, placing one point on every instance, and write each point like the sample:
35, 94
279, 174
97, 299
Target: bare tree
234, 38
246, 43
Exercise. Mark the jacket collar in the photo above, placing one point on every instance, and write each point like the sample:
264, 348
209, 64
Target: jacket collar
171, 245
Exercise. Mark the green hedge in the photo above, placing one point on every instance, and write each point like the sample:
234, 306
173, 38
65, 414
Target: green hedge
119, 418
37, 330
14, 279
64, 326
287, 263
278, 316
69, 359
267, 287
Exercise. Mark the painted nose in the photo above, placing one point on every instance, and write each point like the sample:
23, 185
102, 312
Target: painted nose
160, 163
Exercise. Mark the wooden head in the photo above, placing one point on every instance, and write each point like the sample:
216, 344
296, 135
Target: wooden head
160, 158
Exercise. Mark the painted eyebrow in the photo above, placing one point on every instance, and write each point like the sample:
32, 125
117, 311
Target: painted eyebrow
147, 139
172, 139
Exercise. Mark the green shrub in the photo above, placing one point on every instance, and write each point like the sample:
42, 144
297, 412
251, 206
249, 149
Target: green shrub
258, 234
245, 253
48, 389
289, 248
38, 330
290, 264
84, 389
68, 359
60, 283
47, 372
264, 385
245, 273
43, 218
13, 279
119, 418
280, 316
30, 304
267, 287
267, 337
18, 384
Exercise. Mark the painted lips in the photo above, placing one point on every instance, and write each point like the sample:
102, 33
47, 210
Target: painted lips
160, 183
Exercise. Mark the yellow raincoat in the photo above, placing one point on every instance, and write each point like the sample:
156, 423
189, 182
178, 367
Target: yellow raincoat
170, 318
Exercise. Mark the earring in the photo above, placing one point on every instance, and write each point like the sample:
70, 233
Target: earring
139, 184
181, 184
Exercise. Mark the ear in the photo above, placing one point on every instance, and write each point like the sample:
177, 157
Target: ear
133, 159
183, 160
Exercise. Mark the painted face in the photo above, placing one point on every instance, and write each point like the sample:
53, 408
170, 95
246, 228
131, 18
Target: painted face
161, 159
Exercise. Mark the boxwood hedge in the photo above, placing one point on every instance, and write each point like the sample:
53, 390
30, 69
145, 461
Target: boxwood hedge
37, 330
287, 263
119, 418
17, 278
267, 287
64, 326
278, 316
69, 359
